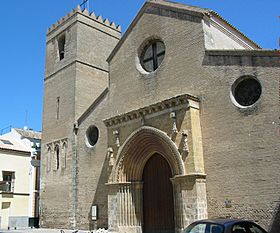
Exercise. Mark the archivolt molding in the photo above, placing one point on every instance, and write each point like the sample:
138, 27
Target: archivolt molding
138, 148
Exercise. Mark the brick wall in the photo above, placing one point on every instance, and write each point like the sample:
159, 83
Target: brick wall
78, 79
241, 148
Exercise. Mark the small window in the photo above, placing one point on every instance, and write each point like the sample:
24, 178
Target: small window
92, 135
61, 46
7, 142
152, 55
7, 183
246, 91
57, 107
5, 205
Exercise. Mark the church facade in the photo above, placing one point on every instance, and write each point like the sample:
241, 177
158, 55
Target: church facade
174, 121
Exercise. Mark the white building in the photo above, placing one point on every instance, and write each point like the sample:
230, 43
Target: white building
19, 178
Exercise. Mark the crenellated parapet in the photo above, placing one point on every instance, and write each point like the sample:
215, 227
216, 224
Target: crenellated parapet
85, 13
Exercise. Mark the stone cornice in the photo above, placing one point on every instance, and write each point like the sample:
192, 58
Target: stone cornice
243, 52
181, 100
137, 183
188, 177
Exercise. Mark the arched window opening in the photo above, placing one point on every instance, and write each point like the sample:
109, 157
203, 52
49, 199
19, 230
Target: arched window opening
63, 156
57, 157
48, 160
61, 46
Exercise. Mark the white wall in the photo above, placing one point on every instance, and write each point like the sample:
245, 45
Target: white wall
19, 163
219, 35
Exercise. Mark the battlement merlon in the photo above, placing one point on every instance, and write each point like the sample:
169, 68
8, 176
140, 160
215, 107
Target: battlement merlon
85, 16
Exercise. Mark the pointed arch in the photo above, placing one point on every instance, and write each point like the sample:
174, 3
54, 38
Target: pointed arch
139, 147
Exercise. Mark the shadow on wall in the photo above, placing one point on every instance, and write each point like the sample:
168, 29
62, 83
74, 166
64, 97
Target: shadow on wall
233, 58
276, 222
100, 198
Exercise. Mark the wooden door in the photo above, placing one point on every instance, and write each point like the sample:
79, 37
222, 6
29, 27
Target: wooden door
158, 208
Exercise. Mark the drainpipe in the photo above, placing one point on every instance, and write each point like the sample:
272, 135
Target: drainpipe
74, 177
36, 164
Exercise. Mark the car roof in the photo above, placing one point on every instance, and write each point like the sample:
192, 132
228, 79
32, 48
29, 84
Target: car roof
222, 221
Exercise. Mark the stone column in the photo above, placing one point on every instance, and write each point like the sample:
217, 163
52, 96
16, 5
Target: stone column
125, 207
190, 199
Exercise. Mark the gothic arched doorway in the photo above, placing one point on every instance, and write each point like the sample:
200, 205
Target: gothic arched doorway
158, 207
147, 151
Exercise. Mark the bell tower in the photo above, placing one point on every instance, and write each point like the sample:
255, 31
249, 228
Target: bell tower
76, 73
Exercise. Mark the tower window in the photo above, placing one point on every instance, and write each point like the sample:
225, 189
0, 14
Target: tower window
57, 157
61, 46
57, 107
48, 158
63, 155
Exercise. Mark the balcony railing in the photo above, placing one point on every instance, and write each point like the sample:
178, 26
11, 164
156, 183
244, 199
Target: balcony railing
6, 186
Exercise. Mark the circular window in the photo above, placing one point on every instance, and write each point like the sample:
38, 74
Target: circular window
92, 135
246, 91
152, 55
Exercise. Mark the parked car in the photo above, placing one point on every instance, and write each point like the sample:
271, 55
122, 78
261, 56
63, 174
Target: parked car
224, 226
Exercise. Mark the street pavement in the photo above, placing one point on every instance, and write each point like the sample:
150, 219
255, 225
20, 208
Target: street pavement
42, 230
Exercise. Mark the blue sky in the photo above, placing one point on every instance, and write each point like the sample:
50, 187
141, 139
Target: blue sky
23, 35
